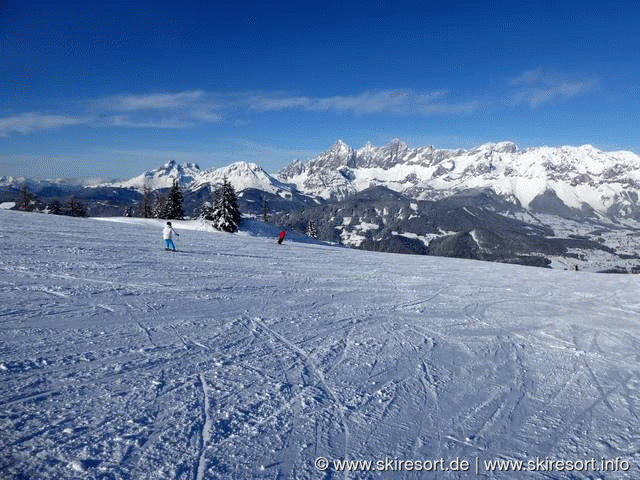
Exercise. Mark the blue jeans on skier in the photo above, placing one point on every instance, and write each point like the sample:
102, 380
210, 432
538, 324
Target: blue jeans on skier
169, 245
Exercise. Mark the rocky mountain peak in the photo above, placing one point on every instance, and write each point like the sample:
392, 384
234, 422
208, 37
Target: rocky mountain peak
424, 173
340, 148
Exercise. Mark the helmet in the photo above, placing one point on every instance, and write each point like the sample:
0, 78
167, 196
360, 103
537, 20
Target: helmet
169, 223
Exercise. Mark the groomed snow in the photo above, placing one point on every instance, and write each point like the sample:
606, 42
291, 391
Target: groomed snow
238, 358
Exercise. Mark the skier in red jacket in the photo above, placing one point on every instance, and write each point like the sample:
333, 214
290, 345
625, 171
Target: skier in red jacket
281, 237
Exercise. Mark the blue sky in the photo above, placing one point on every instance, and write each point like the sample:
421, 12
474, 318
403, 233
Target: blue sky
111, 88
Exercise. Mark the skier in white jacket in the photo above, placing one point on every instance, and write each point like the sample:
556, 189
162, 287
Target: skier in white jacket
167, 235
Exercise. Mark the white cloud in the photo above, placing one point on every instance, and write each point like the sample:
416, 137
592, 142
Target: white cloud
190, 108
396, 102
153, 101
187, 109
528, 78
32, 121
536, 87
159, 110
125, 121
565, 90
268, 102
207, 116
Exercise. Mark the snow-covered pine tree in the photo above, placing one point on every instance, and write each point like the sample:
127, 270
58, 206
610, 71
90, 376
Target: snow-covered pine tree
75, 208
206, 209
312, 230
226, 214
146, 207
160, 207
55, 208
25, 199
265, 210
174, 201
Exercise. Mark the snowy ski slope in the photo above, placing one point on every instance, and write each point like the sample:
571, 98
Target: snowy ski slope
239, 359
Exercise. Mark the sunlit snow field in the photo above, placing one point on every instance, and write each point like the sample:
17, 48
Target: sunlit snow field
239, 358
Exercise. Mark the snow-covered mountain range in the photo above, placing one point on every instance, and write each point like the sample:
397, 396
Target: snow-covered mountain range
243, 176
583, 178
162, 177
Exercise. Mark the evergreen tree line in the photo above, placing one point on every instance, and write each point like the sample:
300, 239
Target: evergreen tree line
222, 210
168, 206
29, 202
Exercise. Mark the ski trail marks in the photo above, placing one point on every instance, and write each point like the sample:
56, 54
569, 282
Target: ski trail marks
415, 303
148, 334
142, 327
340, 407
429, 385
206, 428
604, 395
54, 292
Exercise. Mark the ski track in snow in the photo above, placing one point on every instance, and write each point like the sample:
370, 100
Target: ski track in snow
206, 428
236, 359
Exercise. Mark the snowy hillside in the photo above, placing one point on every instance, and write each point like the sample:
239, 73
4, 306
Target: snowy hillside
238, 359
578, 176
161, 177
242, 176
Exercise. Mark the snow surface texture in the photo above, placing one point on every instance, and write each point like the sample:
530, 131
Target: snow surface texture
239, 358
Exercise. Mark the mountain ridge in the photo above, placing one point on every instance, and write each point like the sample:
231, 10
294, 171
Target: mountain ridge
578, 176
584, 179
